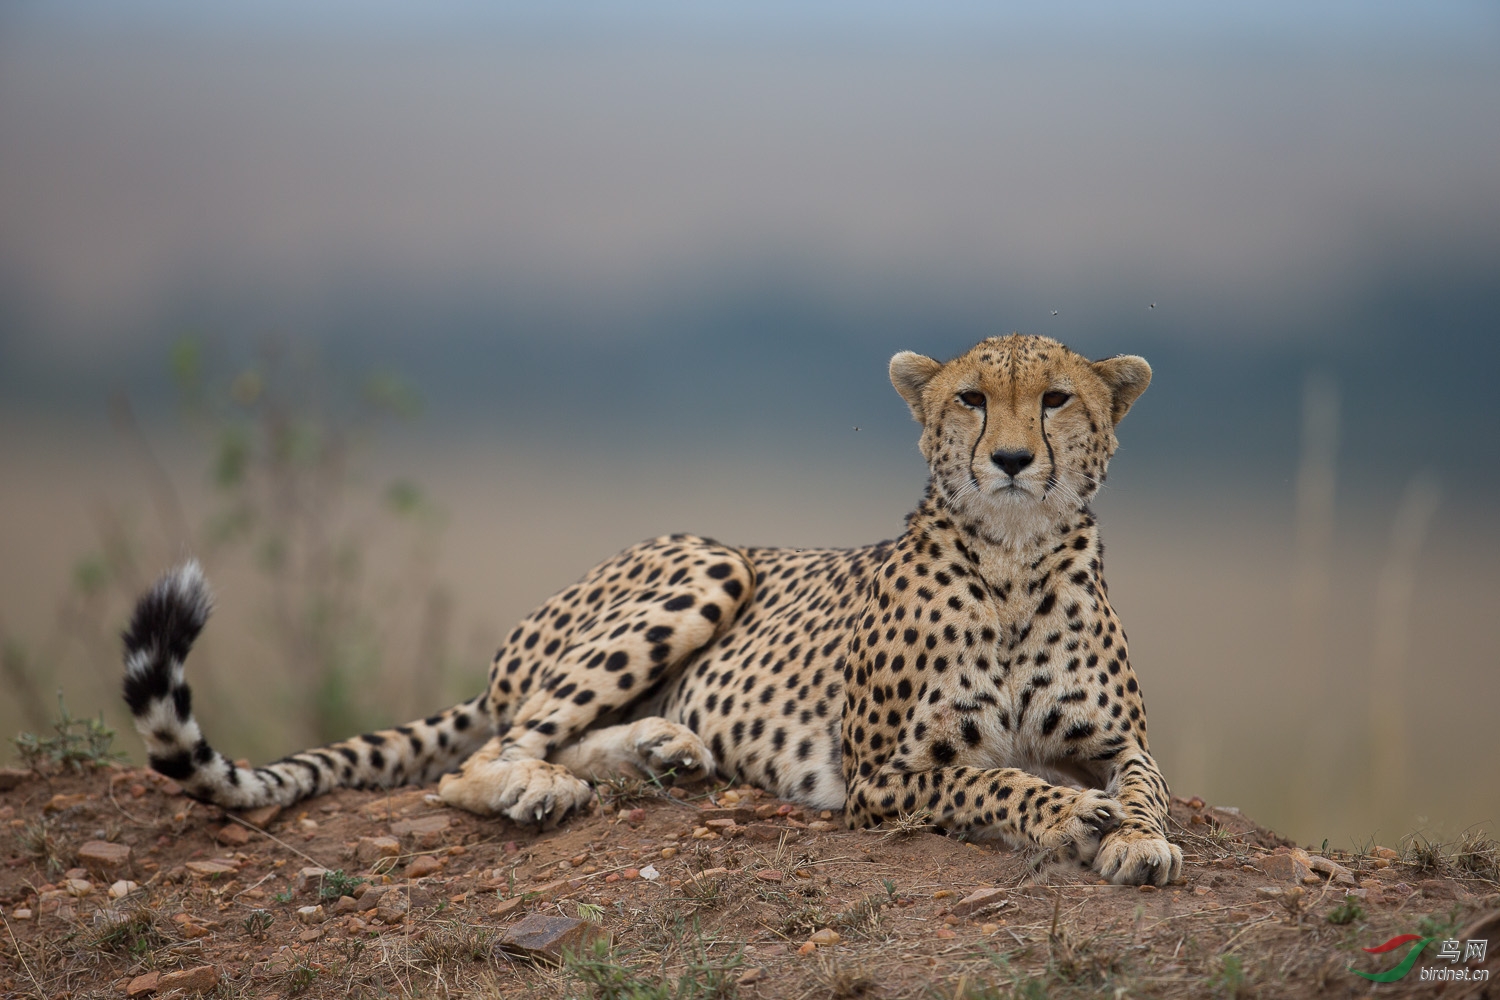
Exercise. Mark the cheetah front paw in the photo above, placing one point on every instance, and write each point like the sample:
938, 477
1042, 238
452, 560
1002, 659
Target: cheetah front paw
662, 746
531, 792
1078, 827
1133, 856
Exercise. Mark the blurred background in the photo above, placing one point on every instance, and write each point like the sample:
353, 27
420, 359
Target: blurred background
401, 317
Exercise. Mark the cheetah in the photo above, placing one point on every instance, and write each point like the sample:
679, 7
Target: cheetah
971, 671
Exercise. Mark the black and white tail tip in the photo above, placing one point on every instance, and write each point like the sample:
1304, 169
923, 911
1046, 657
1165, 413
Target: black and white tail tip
162, 630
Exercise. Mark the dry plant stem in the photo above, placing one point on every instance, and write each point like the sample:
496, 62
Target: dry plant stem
22, 959
269, 836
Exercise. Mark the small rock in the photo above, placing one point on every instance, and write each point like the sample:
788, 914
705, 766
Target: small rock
769, 875
945, 932
750, 976
669, 852
820, 826
635, 816
720, 825
310, 935
423, 866
102, 856
767, 811
392, 907
769, 832
506, 907
345, 904
194, 931
232, 835
427, 831
739, 814
61, 802
372, 849
199, 980
826, 935
807, 948
436, 823
77, 886
1385, 853
142, 986
395, 804
1285, 867
307, 879
262, 817
1334, 871
209, 869
650, 874
21, 914
630, 873
980, 900
540, 936
311, 914
1148, 887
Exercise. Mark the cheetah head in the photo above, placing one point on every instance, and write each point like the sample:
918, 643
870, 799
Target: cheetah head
1019, 427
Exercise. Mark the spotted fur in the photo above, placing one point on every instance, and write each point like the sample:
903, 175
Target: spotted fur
971, 670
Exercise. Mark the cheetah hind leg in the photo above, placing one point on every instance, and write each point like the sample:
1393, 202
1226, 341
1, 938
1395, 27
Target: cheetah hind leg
529, 791
647, 748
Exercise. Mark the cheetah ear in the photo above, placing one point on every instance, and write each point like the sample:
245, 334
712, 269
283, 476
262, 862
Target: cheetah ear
910, 373
1127, 377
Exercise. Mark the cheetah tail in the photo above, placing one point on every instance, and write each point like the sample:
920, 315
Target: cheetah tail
166, 622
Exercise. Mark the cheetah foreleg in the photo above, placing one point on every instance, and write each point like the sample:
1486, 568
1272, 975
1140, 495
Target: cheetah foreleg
1139, 852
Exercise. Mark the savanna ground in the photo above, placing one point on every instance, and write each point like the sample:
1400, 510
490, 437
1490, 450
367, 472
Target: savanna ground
115, 884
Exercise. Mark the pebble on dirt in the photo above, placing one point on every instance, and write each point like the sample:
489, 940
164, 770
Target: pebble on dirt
538, 935
104, 857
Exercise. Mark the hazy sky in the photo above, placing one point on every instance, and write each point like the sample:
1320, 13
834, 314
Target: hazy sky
162, 160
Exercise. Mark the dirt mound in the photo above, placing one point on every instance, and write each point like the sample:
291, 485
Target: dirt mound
114, 884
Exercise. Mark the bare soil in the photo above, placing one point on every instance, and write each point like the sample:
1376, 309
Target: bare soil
726, 909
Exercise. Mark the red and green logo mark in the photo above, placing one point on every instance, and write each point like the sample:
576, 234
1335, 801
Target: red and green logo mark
1391, 975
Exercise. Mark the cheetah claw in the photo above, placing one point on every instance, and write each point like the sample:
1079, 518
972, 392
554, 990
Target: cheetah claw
1138, 857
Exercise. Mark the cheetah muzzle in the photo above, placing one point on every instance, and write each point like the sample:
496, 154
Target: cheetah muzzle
930, 674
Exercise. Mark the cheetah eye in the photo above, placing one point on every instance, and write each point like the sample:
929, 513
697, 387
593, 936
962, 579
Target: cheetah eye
972, 398
1053, 400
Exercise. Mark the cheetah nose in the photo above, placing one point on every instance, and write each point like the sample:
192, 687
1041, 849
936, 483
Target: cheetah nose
1012, 461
